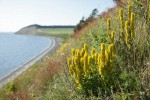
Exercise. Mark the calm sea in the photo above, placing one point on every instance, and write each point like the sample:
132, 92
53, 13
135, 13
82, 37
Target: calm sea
16, 50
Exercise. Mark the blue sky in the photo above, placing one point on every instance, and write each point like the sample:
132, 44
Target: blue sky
15, 14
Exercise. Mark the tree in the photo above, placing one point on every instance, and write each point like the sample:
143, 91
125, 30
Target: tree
84, 21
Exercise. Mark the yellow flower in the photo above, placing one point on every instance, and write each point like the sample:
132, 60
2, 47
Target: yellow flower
108, 27
73, 57
129, 12
76, 60
93, 51
76, 52
132, 25
100, 69
73, 51
71, 69
96, 57
69, 61
108, 59
99, 59
78, 76
102, 48
121, 19
81, 63
108, 24
86, 68
127, 32
82, 52
106, 54
111, 50
121, 14
103, 52
112, 36
85, 47
89, 60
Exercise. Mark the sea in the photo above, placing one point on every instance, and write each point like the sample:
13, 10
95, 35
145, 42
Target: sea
17, 50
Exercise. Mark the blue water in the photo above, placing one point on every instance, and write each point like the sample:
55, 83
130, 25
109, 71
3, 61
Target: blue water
16, 50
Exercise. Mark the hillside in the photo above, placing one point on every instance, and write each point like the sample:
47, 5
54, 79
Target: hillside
108, 59
35, 29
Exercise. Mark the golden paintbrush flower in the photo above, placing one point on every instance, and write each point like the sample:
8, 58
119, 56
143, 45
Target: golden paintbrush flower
85, 47
112, 36
132, 25
82, 52
86, 62
71, 69
108, 27
69, 61
89, 60
93, 51
73, 51
100, 69
121, 19
121, 14
106, 54
76, 60
111, 51
127, 35
95, 57
129, 12
108, 24
78, 76
99, 59
103, 52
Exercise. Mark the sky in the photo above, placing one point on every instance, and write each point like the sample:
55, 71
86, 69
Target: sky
15, 14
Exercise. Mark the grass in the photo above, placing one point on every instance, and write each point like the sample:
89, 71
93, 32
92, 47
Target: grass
62, 33
50, 78
57, 30
34, 80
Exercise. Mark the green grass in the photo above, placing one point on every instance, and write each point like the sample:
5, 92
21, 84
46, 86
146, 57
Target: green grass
57, 30
62, 33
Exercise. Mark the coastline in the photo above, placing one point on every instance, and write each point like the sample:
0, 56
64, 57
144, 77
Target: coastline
10, 77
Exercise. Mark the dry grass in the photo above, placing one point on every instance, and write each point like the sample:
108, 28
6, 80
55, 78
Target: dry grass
32, 82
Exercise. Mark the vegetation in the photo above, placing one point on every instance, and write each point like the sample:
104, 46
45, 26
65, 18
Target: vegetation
107, 59
95, 74
83, 22
62, 33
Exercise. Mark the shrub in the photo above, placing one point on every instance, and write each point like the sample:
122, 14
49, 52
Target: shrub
116, 69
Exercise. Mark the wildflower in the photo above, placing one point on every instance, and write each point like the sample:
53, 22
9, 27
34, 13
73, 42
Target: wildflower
132, 25
108, 27
89, 60
103, 52
121, 19
73, 52
93, 51
112, 36
85, 47
69, 61
127, 31
129, 12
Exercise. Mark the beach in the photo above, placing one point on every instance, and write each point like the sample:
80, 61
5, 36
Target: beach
11, 76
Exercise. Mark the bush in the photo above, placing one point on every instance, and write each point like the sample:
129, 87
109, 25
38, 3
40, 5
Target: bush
117, 68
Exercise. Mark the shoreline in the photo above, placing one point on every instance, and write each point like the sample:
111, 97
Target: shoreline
10, 77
